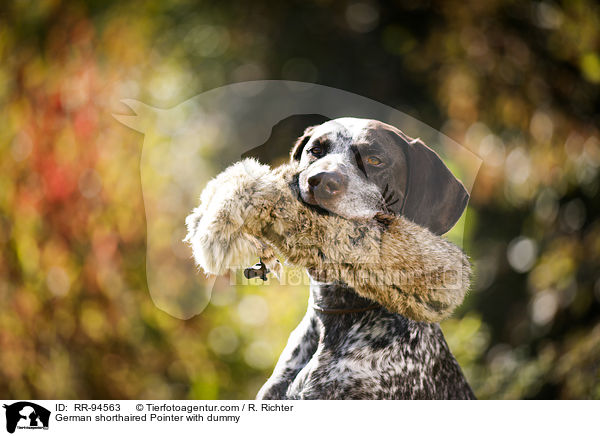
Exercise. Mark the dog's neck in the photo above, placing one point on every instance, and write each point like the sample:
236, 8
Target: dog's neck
335, 296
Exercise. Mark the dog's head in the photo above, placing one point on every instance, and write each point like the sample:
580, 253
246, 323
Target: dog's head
356, 168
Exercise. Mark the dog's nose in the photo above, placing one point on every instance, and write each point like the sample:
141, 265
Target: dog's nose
326, 183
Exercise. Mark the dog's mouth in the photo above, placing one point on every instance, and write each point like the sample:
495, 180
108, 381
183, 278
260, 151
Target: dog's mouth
339, 205
307, 197
311, 202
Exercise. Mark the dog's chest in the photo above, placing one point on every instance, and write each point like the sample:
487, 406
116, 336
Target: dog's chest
364, 363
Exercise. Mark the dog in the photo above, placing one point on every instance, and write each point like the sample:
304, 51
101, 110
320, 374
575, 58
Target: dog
343, 348
365, 182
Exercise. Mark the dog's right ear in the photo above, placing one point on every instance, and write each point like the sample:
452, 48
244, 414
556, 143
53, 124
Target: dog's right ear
296, 152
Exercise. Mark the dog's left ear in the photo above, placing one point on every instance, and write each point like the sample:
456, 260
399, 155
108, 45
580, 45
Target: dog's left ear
296, 152
435, 198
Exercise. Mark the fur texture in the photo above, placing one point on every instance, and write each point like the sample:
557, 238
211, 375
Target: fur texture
369, 355
250, 210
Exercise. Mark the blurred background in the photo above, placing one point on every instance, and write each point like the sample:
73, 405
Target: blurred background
515, 82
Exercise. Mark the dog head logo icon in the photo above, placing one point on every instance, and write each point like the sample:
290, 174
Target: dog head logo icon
26, 415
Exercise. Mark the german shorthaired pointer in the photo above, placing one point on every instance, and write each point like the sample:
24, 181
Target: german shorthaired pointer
346, 347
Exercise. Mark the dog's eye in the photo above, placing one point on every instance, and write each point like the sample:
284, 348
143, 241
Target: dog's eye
375, 161
317, 150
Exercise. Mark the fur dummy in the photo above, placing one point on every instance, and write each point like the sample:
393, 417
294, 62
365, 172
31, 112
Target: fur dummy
252, 210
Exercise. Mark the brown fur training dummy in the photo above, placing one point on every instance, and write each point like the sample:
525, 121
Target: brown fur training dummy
252, 210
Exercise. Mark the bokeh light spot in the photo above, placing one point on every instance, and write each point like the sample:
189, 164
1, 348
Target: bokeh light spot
522, 254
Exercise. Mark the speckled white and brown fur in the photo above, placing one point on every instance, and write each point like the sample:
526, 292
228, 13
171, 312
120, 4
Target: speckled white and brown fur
370, 355
380, 353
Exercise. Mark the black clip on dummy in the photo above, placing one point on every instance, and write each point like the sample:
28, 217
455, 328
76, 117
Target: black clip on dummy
259, 270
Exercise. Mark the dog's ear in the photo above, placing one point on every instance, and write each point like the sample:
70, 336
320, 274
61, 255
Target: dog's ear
296, 152
435, 198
